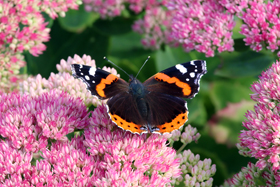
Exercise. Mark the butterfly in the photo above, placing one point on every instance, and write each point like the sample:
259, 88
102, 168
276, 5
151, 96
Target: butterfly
155, 106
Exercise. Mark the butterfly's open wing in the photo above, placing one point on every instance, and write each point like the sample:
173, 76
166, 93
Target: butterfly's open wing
124, 112
166, 112
99, 82
181, 80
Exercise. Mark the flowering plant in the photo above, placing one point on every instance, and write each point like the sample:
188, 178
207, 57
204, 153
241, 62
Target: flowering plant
53, 132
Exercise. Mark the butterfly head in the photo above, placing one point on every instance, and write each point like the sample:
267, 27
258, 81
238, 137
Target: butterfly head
136, 88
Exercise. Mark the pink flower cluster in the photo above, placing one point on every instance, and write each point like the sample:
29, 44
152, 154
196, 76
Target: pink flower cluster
104, 156
23, 28
262, 23
261, 137
202, 25
126, 158
106, 8
64, 81
65, 164
27, 122
31, 36
156, 27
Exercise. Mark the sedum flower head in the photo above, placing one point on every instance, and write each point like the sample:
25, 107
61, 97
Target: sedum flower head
202, 25
23, 28
27, 122
261, 137
155, 27
261, 25
129, 159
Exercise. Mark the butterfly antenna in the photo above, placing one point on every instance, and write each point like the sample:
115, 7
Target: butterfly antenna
142, 66
116, 65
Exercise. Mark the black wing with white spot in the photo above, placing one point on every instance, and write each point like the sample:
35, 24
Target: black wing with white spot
181, 80
99, 82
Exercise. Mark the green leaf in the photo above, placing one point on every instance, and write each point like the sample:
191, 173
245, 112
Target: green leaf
245, 64
77, 20
116, 26
165, 59
236, 30
225, 91
128, 46
197, 111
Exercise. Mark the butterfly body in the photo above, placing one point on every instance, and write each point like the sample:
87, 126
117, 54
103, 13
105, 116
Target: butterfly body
155, 106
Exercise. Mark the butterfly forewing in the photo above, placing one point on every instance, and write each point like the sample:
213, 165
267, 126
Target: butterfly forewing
181, 80
99, 82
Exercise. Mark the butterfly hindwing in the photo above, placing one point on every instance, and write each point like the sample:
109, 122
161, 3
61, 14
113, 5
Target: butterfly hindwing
125, 113
181, 80
99, 82
166, 112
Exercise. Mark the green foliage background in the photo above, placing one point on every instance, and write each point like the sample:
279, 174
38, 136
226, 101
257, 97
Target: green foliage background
228, 80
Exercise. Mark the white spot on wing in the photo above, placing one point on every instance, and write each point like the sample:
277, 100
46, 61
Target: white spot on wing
187, 79
192, 63
92, 71
186, 106
181, 68
87, 77
192, 74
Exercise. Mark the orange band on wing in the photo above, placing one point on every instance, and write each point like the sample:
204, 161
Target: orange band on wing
108, 80
185, 86
175, 124
129, 126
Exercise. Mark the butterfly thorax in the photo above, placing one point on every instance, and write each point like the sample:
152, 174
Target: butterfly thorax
136, 88
138, 91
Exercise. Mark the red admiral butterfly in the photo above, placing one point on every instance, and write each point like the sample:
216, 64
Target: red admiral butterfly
156, 106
